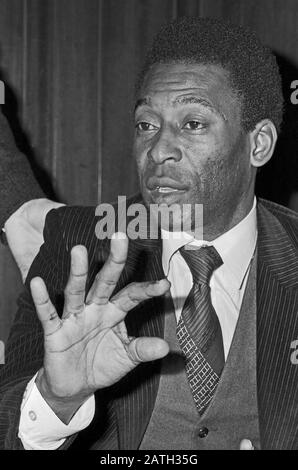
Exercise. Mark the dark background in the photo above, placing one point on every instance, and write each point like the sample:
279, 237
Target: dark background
69, 68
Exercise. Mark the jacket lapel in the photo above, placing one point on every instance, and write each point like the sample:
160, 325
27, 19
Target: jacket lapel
277, 328
136, 393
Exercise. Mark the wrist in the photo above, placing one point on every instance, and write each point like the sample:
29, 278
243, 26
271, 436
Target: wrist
64, 407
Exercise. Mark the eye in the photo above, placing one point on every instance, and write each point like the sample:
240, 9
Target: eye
193, 125
145, 126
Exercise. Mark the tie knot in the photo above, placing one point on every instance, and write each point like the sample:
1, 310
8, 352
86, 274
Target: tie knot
202, 262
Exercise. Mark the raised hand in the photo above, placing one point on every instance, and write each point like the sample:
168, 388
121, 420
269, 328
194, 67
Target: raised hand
88, 348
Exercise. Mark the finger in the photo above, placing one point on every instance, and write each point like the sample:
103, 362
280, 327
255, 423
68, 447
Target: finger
134, 293
45, 309
75, 289
246, 444
121, 331
108, 276
147, 349
130, 297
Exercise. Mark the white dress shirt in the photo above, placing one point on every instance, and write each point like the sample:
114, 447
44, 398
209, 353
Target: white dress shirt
236, 248
40, 428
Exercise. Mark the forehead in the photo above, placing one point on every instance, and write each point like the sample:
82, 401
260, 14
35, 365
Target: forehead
171, 83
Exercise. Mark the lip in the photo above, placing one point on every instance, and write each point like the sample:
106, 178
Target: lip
171, 196
164, 185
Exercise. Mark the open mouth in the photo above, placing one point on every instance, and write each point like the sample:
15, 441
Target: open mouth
166, 194
165, 184
166, 189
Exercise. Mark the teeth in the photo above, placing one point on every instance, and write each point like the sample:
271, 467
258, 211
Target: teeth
164, 189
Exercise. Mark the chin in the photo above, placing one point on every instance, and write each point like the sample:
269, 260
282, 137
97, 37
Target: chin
175, 219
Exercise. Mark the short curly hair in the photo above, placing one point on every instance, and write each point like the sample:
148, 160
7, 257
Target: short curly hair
254, 74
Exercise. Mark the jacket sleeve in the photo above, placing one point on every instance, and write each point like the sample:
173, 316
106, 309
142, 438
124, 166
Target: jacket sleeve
24, 350
64, 228
17, 182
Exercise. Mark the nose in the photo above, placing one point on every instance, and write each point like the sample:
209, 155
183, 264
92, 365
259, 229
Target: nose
164, 147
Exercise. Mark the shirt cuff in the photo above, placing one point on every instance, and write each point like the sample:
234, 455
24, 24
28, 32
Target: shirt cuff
41, 429
12, 217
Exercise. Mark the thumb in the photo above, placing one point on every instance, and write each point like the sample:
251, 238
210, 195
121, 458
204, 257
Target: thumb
147, 349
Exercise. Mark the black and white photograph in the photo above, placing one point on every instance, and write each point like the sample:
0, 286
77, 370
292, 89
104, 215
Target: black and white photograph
149, 228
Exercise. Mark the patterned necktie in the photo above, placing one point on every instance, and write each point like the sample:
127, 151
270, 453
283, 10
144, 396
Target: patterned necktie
198, 331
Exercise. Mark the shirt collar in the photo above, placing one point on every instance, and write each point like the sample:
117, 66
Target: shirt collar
236, 247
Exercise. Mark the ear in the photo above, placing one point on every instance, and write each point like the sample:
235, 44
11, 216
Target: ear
262, 142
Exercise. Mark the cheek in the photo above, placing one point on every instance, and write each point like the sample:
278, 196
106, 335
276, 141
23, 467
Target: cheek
140, 156
200, 159
218, 163
229, 167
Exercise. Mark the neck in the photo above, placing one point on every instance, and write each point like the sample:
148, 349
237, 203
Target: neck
228, 220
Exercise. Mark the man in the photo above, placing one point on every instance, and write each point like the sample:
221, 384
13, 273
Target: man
203, 360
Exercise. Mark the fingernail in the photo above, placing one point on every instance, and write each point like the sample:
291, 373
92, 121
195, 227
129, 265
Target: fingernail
163, 281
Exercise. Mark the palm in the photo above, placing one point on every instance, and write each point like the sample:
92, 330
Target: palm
88, 348
98, 354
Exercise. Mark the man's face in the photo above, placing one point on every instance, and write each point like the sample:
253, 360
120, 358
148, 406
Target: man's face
189, 145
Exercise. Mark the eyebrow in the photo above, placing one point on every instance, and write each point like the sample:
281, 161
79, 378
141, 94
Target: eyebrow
185, 100
142, 102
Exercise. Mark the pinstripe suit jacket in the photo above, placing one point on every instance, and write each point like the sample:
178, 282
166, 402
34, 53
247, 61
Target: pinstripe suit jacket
123, 411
